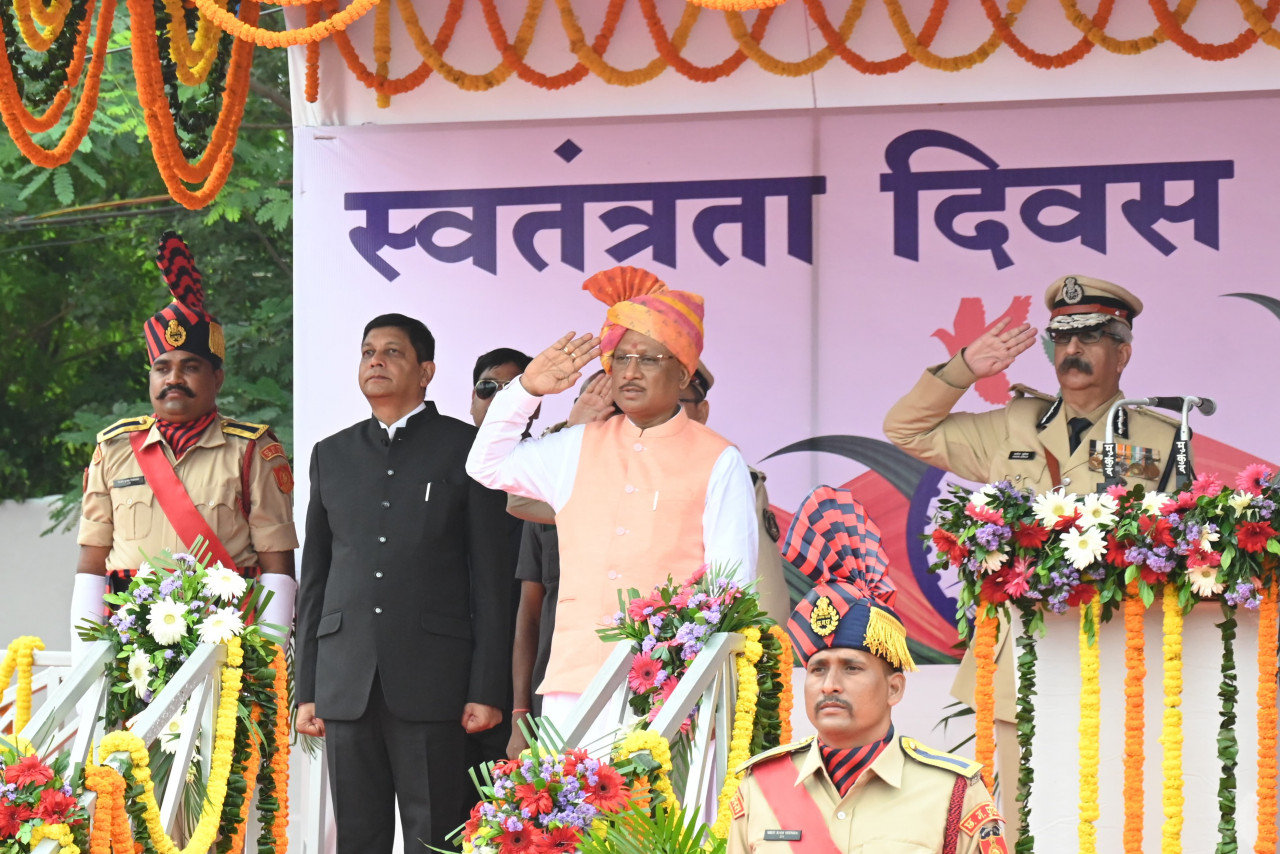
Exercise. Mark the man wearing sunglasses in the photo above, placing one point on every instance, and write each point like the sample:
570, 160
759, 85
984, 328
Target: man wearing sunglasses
1038, 441
493, 372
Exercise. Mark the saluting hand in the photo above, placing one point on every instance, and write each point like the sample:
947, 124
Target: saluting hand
595, 403
995, 349
559, 366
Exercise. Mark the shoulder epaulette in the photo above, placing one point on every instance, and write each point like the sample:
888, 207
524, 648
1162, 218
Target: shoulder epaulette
244, 429
780, 750
1020, 390
126, 425
938, 759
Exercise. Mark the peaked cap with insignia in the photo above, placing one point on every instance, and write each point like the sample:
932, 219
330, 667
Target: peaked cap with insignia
1079, 302
183, 324
835, 543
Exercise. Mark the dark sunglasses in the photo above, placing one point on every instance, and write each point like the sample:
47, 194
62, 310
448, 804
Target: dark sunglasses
486, 389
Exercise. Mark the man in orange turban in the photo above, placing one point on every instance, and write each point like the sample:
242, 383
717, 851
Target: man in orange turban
637, 497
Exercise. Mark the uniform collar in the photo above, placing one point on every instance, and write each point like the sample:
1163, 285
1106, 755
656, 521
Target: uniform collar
1059, 409
665, 430
888, 765
212, 436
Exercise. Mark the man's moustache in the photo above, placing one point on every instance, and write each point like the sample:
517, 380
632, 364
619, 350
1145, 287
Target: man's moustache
179, 388
844, 704
1076, 363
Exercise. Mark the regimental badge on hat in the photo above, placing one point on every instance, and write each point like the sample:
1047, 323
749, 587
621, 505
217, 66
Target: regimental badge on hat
183, 324
835, 543
1079, 302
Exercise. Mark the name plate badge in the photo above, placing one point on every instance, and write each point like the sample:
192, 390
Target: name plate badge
1022, 455
782, 835
128, 481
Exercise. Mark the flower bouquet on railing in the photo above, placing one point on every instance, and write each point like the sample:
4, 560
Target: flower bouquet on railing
174, 604
1121, 550
38, 801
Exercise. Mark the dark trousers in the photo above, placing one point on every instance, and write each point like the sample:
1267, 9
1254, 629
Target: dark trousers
380, 759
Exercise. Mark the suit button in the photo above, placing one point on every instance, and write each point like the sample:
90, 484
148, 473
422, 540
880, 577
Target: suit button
842, 815
382, 539
637, 446
386, 504
620, 531
630, 489
390, 472
613, 574
377, 575
377, 610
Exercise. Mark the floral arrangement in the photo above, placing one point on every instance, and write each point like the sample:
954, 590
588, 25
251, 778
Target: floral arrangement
1121, 549
172, 605
37, 801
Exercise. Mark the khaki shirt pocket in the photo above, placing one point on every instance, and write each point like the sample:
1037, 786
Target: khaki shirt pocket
220, 505
131, 511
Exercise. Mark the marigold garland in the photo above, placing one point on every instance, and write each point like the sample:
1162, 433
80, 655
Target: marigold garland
279, 819
31, 14
609, 73
20, 657
1067, 57
1135, 672
399, 85
246, 31
312, 87
921, 53
60, 833
193, 57
252, 765
111, 832
1090, 727
984, 695
1268, 635
670, 52
1171, 728
744, 717
1259, 22
1128, 47
1172, 28
641, 740
786, 696
57, 107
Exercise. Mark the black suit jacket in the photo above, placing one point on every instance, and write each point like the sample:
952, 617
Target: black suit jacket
410, 584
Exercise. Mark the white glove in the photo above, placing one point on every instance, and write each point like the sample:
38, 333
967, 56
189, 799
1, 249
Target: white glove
280, 609
86, 604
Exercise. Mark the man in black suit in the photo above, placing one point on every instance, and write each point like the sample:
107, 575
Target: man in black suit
404, 625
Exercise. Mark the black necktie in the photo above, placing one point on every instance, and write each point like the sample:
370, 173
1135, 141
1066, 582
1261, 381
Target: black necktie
1078, 427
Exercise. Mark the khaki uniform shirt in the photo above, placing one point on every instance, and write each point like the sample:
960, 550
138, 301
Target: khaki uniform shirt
120, 511
898, 805
771, 582
1012, 444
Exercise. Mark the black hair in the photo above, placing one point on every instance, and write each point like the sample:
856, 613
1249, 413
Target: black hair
497, 358
420, 337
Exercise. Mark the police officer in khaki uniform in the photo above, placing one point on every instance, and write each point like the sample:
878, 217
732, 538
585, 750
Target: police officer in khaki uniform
1038, 441
156, 481
858, 786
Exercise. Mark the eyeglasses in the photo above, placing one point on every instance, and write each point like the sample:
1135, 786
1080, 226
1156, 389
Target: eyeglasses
1085, 336
486, 389
648, 363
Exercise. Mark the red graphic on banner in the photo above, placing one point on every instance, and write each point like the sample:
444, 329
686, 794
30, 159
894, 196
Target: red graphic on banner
969, 323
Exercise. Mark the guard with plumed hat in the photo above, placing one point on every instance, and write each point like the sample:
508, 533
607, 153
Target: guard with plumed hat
157, 482
857, 785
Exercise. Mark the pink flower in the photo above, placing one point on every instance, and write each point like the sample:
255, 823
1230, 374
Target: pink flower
1206, 484
636, 608
644, 673
1019, 577
697, 575
984, 514
1253, 478
1117, 491
1201, 559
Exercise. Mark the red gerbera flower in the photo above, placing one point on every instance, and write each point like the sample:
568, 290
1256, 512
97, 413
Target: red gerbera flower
526, 840
1030, 536
534, 800
54, 805
1082, 595
610, 793
9, 821
697, 575
1065, 523
1203, 559
636, 607
1152, 577
1158, 529
506, 767
561, 839
473, 823
572, 757
1116, 552
994, 586
644, 673
29, 770
943, 541
1253, 536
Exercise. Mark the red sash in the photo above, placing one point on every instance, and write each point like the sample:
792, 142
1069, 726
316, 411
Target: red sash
174, 500
777, 781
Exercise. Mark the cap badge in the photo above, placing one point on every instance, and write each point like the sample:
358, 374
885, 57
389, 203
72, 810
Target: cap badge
824, 618
1072, 292
175, 334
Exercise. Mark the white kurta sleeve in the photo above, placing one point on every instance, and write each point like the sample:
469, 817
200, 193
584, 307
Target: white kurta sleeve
543, 469
729, 528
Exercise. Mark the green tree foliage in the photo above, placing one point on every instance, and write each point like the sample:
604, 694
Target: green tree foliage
78, 275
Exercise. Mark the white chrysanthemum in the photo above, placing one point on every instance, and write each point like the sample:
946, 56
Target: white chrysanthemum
224, 583
1051, 506
1204, 582
1099, 510
1083, 548
993, 561
168, 622
173, 730
139, 671
1152, 502
1240, 500
145, 569
222, 624
1207, 539
982, 497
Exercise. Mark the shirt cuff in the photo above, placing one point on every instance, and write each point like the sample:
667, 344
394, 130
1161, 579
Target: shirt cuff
274, 538
93, 533
955, 373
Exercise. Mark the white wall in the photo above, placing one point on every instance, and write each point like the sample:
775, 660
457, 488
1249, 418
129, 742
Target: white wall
35, 574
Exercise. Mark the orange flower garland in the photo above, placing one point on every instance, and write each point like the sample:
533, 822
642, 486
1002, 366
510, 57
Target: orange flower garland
1096, 34
396, 86
1135, 672
1172, 28
921, 53
250, 775
786, 697
193, 59
1259, 23
1067, 57
111, 832
609, 73
58, 106
837, 40
1268, 626
671, 55
984, 695
312, 87
515, 57
32, 14
247, 31
280, 755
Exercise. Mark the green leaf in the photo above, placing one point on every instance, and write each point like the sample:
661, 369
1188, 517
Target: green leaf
63, 187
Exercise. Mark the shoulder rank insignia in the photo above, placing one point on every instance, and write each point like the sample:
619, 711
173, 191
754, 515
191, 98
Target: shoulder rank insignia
938, 759
1020, 390
244, 429
978, 816
270, 452
126, 425
737, 808
780, 750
